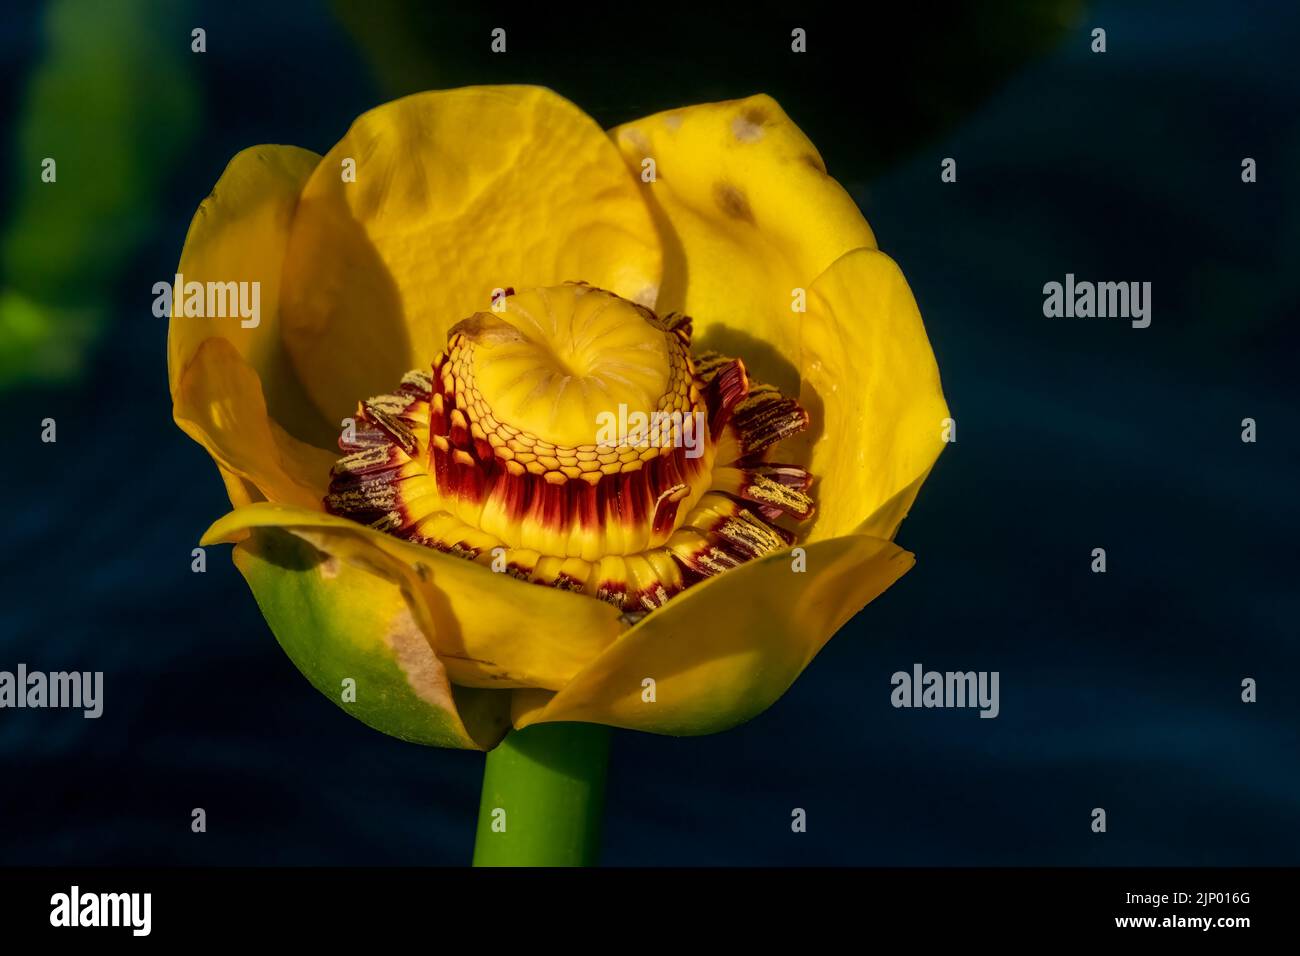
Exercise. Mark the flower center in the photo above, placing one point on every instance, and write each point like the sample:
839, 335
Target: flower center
523, 393
569, 437
553, 361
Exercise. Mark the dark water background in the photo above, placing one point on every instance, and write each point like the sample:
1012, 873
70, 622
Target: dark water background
1119, 691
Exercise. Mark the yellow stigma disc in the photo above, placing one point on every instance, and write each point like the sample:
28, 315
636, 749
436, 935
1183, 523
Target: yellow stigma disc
555, 361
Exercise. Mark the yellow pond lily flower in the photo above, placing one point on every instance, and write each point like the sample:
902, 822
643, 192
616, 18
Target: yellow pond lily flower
628, 420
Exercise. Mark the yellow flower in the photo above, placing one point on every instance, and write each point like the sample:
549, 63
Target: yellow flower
472, 285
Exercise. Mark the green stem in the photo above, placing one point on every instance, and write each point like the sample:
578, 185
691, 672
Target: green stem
543, 797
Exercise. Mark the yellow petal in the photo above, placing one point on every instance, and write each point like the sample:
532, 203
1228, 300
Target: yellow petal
748, 215
871, 388
239, 490
490, 630
239, 234
352, 635
725, 650
218, 403
225, 370
456, 193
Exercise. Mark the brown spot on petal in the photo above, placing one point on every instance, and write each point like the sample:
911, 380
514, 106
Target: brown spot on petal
635, 138
811, 160
748, 126
424, 672
732, 201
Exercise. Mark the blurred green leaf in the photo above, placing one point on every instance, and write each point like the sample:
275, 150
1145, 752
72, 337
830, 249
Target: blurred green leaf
113, 103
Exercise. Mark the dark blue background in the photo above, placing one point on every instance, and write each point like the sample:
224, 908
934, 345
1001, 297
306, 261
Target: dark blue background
1119, 690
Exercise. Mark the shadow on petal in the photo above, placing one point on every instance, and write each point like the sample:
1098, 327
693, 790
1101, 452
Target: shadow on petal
344, 323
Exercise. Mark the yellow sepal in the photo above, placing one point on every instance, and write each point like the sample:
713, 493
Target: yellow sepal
432, 202
489, 629
725, 650
748, 216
